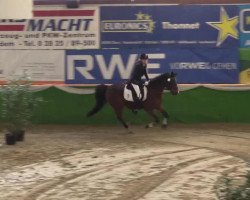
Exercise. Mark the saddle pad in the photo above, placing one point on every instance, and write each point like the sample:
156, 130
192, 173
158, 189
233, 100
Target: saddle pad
128, 94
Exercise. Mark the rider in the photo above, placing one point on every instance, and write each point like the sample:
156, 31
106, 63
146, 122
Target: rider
140, 69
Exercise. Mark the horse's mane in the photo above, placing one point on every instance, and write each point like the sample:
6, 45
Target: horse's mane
159, 78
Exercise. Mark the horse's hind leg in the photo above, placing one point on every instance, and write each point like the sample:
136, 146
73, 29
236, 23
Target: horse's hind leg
156, 119
120, 118
118, 112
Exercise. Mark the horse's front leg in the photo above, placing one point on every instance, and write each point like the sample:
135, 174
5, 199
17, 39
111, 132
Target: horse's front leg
154, 116
165, 117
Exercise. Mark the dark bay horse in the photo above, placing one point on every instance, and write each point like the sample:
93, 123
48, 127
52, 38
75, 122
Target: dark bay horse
113, 94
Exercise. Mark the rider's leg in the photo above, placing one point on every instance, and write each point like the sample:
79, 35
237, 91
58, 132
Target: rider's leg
136, 99
141, 90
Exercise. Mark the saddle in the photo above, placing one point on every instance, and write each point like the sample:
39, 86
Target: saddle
127, 93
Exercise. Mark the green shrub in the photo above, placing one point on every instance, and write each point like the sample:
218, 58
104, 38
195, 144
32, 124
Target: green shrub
18, 103
238, 193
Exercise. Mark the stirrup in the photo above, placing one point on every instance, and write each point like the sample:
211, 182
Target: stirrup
137, 101
135, 111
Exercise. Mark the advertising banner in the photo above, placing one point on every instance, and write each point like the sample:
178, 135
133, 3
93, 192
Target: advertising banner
166, 25
59, 28
198, 65
43, 66
245, 26
245, 65
245, 44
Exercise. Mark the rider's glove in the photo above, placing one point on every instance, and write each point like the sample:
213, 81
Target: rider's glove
146, 83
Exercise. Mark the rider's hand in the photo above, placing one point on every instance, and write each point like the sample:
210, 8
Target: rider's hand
146, 83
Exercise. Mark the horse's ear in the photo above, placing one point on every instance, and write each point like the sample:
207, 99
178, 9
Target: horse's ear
173, 74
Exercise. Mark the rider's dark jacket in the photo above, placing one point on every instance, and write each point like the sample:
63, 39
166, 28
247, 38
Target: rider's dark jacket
137, 73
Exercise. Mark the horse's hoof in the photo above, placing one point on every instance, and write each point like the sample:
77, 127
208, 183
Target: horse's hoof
164, 125
150, 125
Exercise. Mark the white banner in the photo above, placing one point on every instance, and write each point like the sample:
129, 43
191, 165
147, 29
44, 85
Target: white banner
16, 9
53, 28
43, 66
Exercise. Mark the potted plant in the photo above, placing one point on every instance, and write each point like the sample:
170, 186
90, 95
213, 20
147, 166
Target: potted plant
18, 103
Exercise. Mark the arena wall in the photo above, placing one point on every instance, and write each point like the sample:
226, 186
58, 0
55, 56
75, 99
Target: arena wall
197, 105
98, 2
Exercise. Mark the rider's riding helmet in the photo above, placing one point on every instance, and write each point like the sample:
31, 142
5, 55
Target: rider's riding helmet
144, 56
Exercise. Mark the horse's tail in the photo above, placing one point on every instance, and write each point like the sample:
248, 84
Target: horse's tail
100, 93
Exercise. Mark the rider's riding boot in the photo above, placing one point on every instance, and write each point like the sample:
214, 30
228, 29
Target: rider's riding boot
136, 101
134, 95
142, 92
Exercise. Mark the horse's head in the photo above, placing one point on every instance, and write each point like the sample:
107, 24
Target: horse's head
170, 83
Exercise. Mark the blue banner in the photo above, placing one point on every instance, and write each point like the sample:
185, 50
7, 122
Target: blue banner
194, 65
245, 26
161, 26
